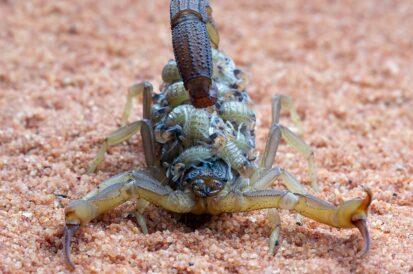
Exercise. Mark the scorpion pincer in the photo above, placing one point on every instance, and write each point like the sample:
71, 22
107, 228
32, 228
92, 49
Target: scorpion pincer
203, 160
193, 30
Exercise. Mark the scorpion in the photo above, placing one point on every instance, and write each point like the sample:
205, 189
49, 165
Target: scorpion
199, 145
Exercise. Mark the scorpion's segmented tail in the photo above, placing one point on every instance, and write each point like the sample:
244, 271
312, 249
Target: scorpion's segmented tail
192, 48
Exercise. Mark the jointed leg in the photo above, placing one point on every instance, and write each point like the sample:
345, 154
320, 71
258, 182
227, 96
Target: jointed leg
116, 137
271, 147
275, 222
148, 144
276, 133
289, 180
135, 90
117, 190
305, 150
281, 101
141, 204
123, 134
125, 186
126, 131
271, 175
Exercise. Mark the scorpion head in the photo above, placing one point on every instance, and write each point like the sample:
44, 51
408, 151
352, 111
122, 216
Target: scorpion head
207, 179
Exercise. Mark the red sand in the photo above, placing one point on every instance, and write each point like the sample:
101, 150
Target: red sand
64, 70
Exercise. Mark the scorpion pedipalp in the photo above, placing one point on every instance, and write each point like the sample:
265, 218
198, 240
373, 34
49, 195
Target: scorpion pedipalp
362, 227
360, 221
69, 231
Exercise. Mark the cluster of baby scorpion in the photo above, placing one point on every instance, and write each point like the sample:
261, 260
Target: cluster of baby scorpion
191, 136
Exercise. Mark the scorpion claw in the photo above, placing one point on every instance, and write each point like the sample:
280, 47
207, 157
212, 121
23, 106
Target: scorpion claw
362, 226
69, 231
360, 221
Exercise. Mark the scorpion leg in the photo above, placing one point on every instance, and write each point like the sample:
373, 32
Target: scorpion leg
275, 222
349, 214
276, 133
281, 101
288, 179
116, 137
134, 91
141, 205
123, 134
115, 191
305, 150
271, 175
271, 147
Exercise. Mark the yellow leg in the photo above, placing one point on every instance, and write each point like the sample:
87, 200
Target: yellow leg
271, 147
269, 176
305, 150
141, 204
275, 222
135, 90
123, 134
277, 131
281, 101
123, 187
116, 137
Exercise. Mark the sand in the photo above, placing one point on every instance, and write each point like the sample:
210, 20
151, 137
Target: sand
64, 70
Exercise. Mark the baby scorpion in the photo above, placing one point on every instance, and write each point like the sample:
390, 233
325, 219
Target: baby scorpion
199, 160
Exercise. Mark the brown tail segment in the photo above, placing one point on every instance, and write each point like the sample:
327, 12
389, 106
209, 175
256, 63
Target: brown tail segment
192, 49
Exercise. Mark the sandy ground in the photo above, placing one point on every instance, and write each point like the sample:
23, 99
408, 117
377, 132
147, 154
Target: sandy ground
64, 70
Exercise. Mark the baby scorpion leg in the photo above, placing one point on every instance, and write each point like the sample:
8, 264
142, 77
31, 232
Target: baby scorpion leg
123, 134
135, 184
349, 214
134, 91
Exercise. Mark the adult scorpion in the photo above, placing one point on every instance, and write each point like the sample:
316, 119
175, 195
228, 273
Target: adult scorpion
199, 144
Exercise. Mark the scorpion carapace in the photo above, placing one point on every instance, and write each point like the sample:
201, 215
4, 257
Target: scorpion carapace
193, 32
203, 161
